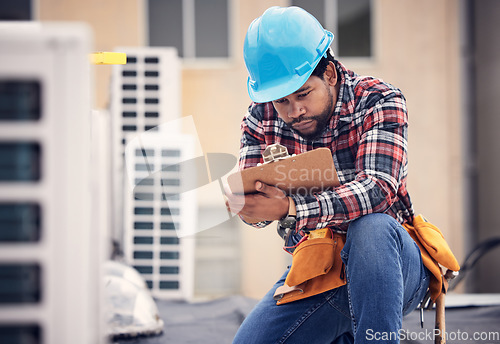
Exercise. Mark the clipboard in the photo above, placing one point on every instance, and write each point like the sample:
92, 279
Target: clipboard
303, 174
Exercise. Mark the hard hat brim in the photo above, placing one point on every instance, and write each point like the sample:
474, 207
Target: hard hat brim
280, 90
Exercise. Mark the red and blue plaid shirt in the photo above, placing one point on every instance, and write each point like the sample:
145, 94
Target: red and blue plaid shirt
367, 136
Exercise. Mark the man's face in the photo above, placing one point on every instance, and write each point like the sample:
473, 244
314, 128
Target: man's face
309, 109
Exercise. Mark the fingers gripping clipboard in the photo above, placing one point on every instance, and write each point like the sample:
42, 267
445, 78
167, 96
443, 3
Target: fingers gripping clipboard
305, 173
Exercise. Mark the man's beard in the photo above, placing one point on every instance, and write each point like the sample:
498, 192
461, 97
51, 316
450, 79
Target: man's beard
321, 120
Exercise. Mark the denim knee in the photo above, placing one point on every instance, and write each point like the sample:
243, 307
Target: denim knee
368, 233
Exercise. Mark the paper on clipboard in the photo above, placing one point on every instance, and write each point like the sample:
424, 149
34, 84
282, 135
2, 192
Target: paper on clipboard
305, 173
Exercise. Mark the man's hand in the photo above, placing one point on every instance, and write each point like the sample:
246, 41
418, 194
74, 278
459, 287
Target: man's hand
269, 204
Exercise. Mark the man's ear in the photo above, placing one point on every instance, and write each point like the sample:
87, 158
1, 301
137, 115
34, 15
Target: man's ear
331, 74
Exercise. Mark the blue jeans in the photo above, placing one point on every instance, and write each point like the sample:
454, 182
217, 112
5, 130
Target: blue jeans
385, 280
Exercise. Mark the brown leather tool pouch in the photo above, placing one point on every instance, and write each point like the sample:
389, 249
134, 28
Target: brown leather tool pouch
316, 268
435, 252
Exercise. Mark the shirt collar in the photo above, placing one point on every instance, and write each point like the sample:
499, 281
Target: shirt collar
344, 107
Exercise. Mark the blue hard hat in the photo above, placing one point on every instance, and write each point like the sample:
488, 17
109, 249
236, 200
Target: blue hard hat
281, 49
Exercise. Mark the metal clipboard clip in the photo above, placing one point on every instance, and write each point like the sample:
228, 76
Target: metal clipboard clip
275, 152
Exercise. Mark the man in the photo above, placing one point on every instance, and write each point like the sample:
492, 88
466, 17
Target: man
305, 99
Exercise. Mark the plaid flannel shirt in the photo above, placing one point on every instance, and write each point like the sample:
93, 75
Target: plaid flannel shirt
367, 136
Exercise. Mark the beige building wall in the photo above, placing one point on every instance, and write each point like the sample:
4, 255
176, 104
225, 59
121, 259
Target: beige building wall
114, 22
416, 48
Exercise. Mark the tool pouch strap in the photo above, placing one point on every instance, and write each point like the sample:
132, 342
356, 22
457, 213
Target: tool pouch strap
435, 252
316, 268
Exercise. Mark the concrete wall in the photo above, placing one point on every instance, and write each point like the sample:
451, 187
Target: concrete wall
488, 121
416, 48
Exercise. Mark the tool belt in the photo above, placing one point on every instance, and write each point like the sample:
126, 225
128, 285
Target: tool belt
317, 266
435, 253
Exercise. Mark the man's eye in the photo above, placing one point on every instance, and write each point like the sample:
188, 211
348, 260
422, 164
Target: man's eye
302, 95
280, 101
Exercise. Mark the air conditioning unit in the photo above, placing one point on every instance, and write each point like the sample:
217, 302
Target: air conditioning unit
146, 93
50, 248
160, 212
153, 206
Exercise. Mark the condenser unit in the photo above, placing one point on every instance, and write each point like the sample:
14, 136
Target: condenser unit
49, 245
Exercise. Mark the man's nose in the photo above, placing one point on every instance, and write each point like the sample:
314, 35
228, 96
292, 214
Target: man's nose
296, 110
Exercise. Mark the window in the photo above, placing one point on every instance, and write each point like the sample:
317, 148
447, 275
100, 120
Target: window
197, 28
349, 20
